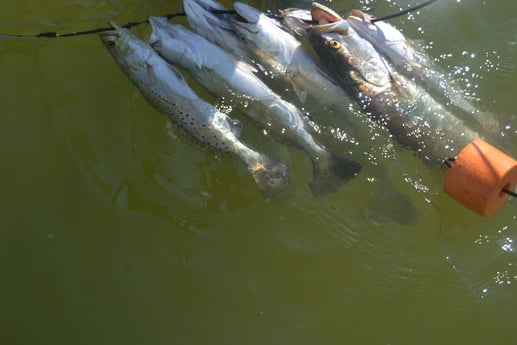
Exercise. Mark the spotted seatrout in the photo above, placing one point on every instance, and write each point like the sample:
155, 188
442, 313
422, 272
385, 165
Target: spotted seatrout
225, 77
417, 65
411, 115
166, 89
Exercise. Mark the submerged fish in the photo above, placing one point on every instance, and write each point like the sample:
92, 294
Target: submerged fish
283, 54
287, 59
211, 20
166, 89
414, 63
225, 77
411, 115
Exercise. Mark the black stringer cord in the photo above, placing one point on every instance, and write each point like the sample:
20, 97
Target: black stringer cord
409, 10
51, 34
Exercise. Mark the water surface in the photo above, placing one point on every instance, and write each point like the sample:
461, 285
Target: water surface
117, 228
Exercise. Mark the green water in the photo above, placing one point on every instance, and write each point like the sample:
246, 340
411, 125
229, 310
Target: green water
116, 229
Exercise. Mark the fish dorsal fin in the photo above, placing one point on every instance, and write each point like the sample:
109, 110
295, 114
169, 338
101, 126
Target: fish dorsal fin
300, 92
177, 73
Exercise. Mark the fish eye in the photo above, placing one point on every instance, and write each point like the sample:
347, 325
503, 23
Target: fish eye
334, 44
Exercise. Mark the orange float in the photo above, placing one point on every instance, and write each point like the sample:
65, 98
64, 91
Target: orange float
478, 177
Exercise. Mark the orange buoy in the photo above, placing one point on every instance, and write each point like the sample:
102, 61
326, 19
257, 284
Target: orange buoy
478, 176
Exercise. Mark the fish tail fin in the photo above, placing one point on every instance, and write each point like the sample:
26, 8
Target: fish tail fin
270, 175
331, 172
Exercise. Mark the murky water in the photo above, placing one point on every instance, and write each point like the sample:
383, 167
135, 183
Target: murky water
116, 228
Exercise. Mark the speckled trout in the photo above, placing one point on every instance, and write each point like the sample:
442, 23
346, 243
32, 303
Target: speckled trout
281, 53
411, 115
211, 20
415, 64
274, 50
166, 89
225, 77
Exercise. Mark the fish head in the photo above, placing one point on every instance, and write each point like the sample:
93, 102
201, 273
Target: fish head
299, 20
343, 52
127, 49
296, 19
301, 14
116, 40
212, 21
247, 23
248, 15
330, 47
347, 56
362, 24
139, 61
205, 15
323, 14
263, 35
180, 45
326, 19
360, 16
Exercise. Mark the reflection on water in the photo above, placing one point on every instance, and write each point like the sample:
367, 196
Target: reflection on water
161, 234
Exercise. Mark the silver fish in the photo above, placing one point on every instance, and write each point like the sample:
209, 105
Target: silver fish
225, 77
284, 55
414, 63
278, 49
411, 115
211, 20
166, 89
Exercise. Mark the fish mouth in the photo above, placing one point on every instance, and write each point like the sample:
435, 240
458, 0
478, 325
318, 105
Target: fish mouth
238, 18
360, 15
109, 38
296, 23
324, 15
328, 20
245, 14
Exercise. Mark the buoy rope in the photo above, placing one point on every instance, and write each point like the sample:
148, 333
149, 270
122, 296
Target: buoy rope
448, 161
52, 34
401, 13
509, 192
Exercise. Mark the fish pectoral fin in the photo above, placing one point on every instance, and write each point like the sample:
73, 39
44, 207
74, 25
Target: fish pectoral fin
154, 42
177, 73
300, 92
399, 90
150, 72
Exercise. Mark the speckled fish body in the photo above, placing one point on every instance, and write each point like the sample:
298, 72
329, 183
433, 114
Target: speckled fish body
283, 55
225, 77
415, 64
211, 20
413, 117
165, 88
